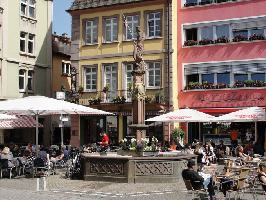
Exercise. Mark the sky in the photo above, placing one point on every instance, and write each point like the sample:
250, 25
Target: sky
62, 20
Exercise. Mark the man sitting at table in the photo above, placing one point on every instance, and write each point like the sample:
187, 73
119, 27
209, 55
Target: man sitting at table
262, 175
197, 181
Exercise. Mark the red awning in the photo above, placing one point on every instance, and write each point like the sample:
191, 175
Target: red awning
214, 111
22, 121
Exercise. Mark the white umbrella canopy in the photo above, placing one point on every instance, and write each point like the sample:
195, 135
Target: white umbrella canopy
245, 115
40, 105
183, 115
7, 117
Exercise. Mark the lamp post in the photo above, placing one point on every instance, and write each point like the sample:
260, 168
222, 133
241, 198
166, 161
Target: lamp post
61, 96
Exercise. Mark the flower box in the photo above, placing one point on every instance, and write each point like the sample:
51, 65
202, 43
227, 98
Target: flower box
239, 38
190, 43
205, 42
221, 40
256, 37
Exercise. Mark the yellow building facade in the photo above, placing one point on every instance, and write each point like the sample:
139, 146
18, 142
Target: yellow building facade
104, 33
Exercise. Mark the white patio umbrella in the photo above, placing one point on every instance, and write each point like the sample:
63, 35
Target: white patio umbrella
182, 115
40, 105
251, 114
7, 117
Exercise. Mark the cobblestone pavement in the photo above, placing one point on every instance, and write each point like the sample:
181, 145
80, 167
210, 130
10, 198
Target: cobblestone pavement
58, 187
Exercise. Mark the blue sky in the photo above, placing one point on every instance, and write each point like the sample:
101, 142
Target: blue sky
62, 20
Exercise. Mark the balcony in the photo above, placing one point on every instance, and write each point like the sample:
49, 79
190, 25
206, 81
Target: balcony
248, 84
206, 2
224, 40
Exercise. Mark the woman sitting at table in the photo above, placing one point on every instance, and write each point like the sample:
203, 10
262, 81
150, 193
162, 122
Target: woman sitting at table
262, 175
241, 155
208, 154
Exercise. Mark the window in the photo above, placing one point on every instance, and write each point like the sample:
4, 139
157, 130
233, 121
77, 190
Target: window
241, 33
22, 79
131, 23
207, 33
66, 68
23, 7
192, 78
209, 78
110, 74
129, 79
23, 42
240, 77
154, 74
192, 34
31, 44
110, 29
30, 80
258, 77
191, 2
223, 78
91, 32
32, 8
257, 32
28, 8
154, 24
222, 31
90, 78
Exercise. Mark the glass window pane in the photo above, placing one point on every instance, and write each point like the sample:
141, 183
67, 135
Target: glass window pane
208, 78
258, 77
31, 12
243, 33
207, 33
257, 32
192, 78
223, 78
222, 31
240, 77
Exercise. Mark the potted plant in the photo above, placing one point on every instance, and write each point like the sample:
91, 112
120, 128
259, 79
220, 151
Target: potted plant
119, 100
239, 38
194, 85
178, 135
221, 85
190, 43
190, 4
256, 37
80, 89
95, 101
259, 83
249, 83
238, 84
106, 88
148, 99
205, 42
222, 39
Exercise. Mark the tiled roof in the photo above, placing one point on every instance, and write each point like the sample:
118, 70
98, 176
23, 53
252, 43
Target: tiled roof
83, 4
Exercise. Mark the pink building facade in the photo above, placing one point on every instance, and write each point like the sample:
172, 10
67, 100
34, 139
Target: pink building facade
222, 62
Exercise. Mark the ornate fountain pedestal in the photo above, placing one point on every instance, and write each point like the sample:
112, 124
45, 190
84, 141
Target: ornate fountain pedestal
128, 169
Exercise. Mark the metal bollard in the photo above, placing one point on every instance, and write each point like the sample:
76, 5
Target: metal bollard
41, 184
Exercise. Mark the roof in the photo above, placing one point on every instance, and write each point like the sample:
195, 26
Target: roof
85, 4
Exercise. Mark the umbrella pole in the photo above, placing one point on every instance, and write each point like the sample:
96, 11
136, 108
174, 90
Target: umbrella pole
256, 132
62, 131
199, 133
37, 134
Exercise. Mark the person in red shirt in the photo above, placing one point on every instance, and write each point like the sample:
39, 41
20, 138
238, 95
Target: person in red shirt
105, 140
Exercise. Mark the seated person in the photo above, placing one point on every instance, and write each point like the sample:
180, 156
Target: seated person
7, 154
262, 175
196, 180
241, 155
221, 150
248, 149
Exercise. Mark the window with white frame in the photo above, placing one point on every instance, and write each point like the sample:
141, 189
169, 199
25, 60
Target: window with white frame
23, 41
31, 43
22, 80
28, 8
110, 79
132, 21
154, 24
154, 75
23, 7
110, 29
188, 3
66, 68
222, 31
30, 80
128, 79
90, 78
207, 33
91, 31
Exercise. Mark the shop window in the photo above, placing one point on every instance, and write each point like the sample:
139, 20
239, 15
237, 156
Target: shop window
209, 78
258, 77
223, 78
192, 78
192, 34
240, 77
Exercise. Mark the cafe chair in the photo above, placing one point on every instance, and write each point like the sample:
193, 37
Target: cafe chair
5, 168
193, 192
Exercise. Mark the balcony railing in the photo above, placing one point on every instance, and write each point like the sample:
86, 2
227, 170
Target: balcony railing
207, 2
222, 40
237, 84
